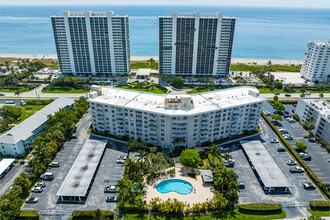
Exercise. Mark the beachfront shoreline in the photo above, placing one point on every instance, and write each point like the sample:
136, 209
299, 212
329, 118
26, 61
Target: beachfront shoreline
140, 58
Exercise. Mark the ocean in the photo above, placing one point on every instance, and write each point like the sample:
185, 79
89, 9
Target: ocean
261, 33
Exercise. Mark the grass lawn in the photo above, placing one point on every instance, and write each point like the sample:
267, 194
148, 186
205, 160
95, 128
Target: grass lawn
319, 213
29, 110
151, 90
62, 90
267, 90
14, 90
144, 64
229, 215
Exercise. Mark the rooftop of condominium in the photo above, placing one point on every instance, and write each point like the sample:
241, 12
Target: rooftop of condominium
178, 104
195, 14
320, 42
89, 13
322, 106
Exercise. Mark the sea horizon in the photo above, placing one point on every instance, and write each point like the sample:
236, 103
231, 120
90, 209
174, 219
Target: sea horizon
278, 33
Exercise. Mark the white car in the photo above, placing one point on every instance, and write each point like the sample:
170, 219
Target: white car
273, 140
37, 189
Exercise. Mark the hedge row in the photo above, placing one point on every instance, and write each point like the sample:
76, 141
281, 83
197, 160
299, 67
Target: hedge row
320, 205
92, 214
260, 208
38, 102
323, 187
124, 207
27, 215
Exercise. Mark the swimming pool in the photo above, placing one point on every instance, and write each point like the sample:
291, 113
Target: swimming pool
174, 185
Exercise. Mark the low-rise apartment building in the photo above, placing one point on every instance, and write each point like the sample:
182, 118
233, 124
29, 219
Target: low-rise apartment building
320, 109
175, 120
17, 140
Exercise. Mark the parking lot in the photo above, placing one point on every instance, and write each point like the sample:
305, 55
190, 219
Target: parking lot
108, 173
320, 157
299, 198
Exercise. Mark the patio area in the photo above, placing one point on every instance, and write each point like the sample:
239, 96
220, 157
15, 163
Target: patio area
201, 192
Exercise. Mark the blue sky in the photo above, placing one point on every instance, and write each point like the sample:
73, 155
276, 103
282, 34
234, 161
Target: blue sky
261, 3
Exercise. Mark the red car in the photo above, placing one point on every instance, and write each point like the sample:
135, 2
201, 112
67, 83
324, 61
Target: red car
295, 105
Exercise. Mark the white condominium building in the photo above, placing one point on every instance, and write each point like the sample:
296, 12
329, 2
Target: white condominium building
320, 109
90, 43
175, 120
316, 67
195, 44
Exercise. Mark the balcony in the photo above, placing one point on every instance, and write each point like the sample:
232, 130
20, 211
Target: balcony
179, 121
175, 126
179, 135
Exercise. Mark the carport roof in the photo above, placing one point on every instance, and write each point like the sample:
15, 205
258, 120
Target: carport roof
266, 167
4, 164
77, 181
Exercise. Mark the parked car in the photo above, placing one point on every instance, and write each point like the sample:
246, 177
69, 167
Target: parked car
286, 112
280, 149
54, 164
296, 169
293, 111
2, 94
110, 189
37, 189
241, 185
120, 161
111, 199
287, 117
291, 162
294, 104
288, 137
47, 176
276, 123
41, 184
229, 163
305, 156
32, 199
273, 140
287, 95
291, 120
267, 113
308, 185
283, 131
277, 93
122, 157
312, 140
73, 136
23, 103
307, 93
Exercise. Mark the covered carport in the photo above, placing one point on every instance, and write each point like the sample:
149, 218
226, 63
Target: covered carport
267, 171
77, 183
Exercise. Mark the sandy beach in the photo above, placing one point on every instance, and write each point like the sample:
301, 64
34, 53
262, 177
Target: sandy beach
134, 58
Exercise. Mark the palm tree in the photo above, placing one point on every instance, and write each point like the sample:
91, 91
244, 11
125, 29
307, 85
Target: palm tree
140, 186
142, 155
123, 188
17, 93
215, 153
321, 95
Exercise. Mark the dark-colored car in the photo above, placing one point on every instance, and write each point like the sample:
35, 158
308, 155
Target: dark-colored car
277, 93
305, 156
309, 185
280, 149
241, 185
32, 199
286, 112
1, 94
287, 95
275, 123
296, 169
111, 199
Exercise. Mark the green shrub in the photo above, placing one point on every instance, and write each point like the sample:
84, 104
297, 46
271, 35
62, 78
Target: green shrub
320, 205
309, 171
27, 215
172, 171
92, 214
260, 208
38, 102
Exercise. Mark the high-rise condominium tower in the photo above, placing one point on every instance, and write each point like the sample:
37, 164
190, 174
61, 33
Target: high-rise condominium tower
316, 67
90, 43
195, 44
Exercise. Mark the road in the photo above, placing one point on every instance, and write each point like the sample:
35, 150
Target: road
33, 94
